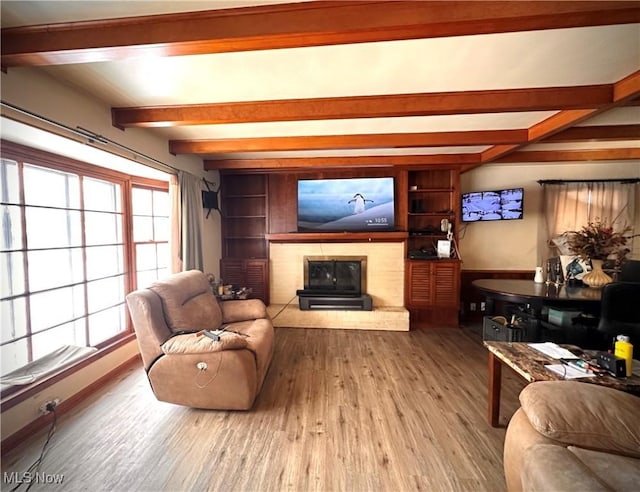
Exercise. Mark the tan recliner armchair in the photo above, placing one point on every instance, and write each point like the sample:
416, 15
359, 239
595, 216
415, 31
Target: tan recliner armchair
573, 436
187, 368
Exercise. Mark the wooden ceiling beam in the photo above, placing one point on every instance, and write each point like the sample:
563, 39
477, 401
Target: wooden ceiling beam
389, 105
617, 154
557, 122
627, 89
363, 141
348, 162
295, 25
623, 91
601, 133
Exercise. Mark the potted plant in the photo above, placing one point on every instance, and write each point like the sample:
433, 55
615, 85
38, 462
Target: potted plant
596, 242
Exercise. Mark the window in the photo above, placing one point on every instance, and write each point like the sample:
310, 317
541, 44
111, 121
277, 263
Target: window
65, 252
570, 205
150, 210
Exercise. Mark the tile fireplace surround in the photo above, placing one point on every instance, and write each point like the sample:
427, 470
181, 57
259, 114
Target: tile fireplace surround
385, 284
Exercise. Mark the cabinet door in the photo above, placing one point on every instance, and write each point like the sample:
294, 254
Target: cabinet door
251, 273
419, 287
433, 283
232, 271
445, 276
257, 277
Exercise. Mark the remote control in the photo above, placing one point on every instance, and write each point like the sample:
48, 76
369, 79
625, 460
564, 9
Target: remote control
213, 336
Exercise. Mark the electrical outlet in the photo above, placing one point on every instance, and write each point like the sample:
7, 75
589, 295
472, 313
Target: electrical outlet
483, 306
472, 306
54, 402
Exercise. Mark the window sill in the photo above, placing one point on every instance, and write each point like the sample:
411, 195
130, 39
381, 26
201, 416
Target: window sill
17, 394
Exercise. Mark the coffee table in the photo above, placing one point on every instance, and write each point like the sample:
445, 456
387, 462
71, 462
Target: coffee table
529, 364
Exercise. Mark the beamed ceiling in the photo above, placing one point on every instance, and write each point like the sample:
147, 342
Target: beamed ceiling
256, 85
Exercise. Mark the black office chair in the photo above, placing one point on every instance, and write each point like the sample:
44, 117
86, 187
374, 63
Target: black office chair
630, 271
619, 313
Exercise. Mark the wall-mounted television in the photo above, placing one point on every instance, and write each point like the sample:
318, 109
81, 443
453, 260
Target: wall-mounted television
493, 205
346, 204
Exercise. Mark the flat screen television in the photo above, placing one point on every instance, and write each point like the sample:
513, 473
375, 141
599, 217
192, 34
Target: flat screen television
346, 204
492, 205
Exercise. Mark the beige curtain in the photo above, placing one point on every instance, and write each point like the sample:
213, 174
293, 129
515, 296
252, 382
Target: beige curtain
567, 206
613, 203
191, 221
174, 238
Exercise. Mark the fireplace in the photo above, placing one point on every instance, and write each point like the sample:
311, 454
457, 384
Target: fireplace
384, 284
334, 282
343, 275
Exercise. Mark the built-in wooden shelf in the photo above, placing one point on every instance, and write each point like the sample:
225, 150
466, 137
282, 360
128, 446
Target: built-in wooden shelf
432, 190
337, 237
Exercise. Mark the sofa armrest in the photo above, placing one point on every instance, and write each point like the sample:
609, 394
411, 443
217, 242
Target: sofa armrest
585, 415
243, 310
193, 344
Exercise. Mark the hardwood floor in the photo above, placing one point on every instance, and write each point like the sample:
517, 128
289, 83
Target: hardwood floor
340, 410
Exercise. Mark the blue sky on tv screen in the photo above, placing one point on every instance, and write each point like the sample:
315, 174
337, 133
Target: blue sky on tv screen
326, 200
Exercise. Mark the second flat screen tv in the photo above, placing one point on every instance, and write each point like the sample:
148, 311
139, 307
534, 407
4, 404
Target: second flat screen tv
346, 204
492, 205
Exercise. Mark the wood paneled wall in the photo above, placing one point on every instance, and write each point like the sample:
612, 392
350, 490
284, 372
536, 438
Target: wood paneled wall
283, 194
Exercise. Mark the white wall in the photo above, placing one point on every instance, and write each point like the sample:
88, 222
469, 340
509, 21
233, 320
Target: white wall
39, 93
512, 245
36, 92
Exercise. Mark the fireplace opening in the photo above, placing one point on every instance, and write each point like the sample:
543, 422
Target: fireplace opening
337, 282
334, 277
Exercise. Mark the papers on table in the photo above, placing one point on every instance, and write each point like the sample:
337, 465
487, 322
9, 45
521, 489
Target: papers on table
568, 372
553, 350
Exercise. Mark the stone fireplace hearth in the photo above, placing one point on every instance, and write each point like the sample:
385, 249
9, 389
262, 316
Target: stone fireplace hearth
384, 281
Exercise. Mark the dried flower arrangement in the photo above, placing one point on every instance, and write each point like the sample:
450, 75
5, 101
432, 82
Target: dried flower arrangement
598, 241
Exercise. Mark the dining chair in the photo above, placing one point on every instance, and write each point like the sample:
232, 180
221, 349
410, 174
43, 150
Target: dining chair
620, 312
630, 271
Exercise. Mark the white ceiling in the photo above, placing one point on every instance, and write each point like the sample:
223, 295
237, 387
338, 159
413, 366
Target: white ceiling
562, 57
529, 59
32, 12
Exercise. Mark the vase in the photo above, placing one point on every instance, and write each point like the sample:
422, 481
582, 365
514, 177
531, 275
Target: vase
596, 278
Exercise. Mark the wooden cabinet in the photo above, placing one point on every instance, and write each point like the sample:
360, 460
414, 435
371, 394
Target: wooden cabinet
433, 195
253, 273
244, 216
244, 207
433, 292
432, 285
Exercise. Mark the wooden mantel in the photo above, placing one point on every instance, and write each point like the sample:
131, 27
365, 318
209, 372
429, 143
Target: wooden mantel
336, 237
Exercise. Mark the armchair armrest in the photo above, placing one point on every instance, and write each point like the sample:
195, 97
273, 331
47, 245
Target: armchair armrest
193, 344
243, 310
584, 415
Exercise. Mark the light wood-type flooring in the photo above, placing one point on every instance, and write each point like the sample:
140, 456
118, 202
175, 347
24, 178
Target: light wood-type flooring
340, 410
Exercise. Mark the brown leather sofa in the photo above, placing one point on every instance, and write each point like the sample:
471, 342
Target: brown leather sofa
188, 368
573, 436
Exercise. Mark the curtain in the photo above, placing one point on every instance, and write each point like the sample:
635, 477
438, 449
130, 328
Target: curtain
190, 215
613, 203
567, 206
175, 263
